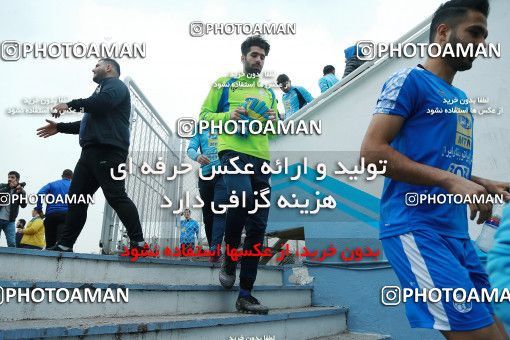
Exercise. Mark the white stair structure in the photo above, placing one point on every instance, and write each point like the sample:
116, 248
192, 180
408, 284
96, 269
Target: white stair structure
167, 299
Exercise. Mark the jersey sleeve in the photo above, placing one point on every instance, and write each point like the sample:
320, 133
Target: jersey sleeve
43, 191
323, 85
398, 95
498, 263
193, 145
274, 107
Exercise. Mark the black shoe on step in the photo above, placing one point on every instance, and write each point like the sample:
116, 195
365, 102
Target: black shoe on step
250, 305
228, 272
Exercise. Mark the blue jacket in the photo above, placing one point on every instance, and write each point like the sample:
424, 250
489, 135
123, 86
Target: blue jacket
189, 229
207, 144
498, 264
291, 100
58, 189
106, 118
327, 82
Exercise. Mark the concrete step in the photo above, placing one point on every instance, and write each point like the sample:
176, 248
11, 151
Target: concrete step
354, 336
145, 300
50, 266
292, 324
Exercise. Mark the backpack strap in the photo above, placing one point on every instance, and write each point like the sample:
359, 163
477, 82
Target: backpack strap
301, 99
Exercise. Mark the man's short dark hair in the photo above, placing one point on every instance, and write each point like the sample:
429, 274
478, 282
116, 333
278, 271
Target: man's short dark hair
68, 173
328, 69
112, 62
15, 173
453, 11
255, 40
282, 79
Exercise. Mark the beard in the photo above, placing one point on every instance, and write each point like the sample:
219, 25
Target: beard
98, 77
458, 63
250, 69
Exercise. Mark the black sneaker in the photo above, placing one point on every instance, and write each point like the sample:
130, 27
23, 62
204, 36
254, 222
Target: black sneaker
250, 305
56, 247
228, 272
134, 245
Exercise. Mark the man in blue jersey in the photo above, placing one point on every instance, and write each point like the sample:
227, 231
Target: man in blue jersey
189, 230
294, 97
211, 190
56, 208
428, 244
328, 79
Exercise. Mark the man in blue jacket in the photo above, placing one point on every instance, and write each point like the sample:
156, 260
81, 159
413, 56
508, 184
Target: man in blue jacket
211, 190
55, 215
329, 79
104, 138
294, 97
189, 231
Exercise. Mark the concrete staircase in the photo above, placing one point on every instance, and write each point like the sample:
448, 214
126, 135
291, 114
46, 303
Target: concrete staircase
168, 299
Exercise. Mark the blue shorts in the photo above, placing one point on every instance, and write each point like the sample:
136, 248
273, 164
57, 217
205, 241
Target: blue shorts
425, 259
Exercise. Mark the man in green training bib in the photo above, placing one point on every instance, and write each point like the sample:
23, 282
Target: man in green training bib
238, 99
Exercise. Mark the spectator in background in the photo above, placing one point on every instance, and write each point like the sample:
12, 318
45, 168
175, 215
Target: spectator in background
55, 212
19, 226
294, 97
352, 61
33, 234
9, 212
211, 190
189, 229
329, 79
498, 264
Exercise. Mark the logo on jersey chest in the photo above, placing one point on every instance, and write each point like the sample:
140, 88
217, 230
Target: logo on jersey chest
464, 133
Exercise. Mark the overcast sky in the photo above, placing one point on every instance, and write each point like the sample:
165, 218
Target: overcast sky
178, 70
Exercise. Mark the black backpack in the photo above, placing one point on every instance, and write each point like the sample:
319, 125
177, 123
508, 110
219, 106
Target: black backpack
301, 99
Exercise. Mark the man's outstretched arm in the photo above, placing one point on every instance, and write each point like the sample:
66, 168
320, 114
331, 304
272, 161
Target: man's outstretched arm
53, 128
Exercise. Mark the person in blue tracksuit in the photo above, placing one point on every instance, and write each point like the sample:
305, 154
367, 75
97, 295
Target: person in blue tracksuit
294, 97
202, 148
55, 212
329, 79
